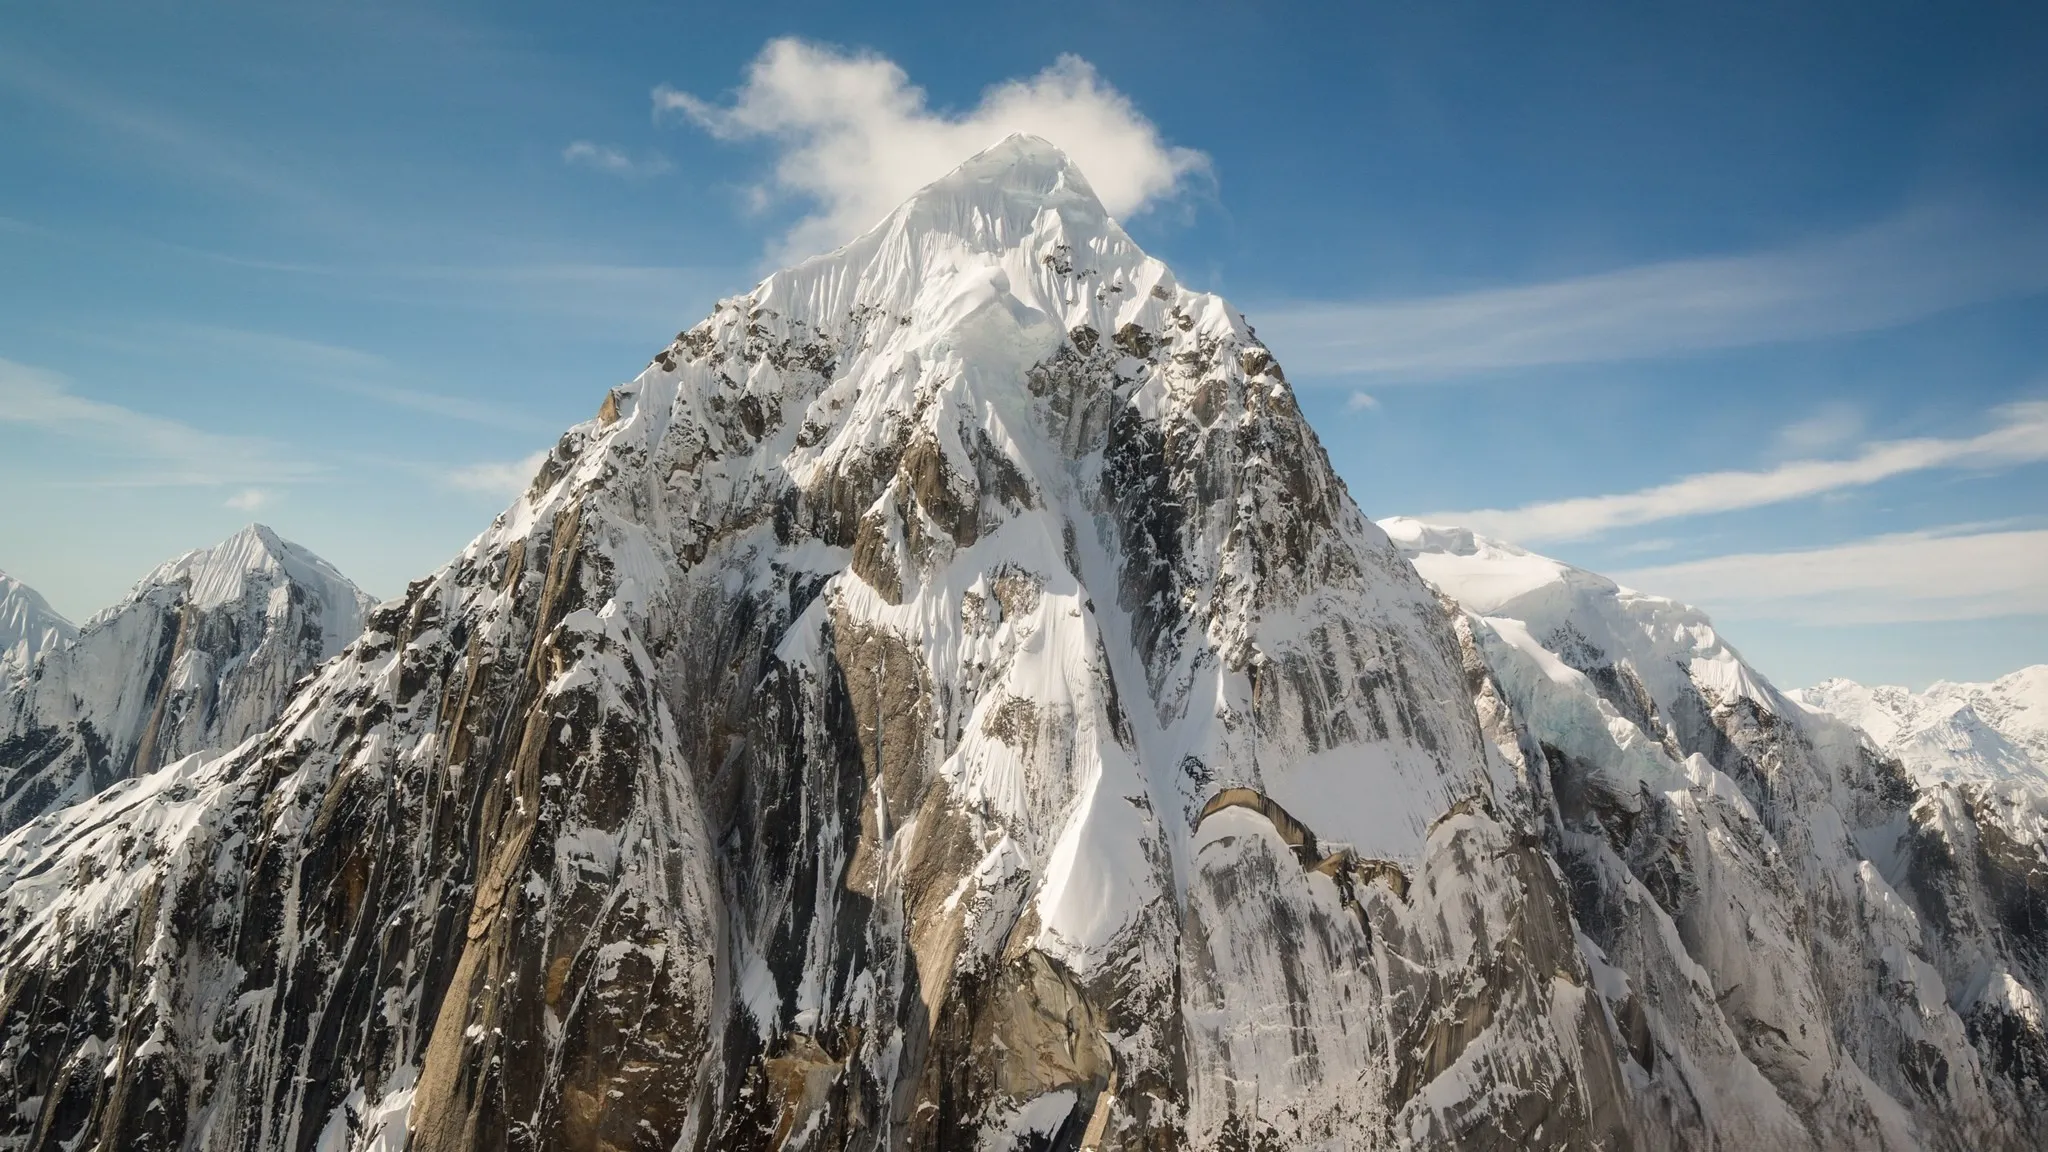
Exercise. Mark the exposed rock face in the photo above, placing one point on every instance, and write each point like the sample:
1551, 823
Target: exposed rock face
1801, 944
822, 754
201, 654
1973, 847
947, 701
29, 627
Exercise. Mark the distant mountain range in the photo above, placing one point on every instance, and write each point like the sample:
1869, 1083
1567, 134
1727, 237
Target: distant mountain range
199, 656
1952, 733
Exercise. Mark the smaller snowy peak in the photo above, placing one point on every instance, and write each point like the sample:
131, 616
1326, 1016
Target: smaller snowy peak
1881, 712
29, 627
2016, 704
1953, 732
201, 654
1483, 575
1572, 621
256, 559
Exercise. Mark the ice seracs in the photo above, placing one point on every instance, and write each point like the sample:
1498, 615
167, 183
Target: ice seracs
200, 654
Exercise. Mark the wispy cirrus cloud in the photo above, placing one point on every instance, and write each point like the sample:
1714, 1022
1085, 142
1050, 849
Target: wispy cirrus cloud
613, 161
140, 447
855, 136
2020, 436
174, 146
1830, 426
1958, 573
639, 298
506, 478
352, 371
261, 175
1910, 267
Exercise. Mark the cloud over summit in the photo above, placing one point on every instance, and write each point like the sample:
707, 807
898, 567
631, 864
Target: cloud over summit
855, 137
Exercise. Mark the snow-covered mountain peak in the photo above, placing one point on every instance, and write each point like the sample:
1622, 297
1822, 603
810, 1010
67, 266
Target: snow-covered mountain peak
990, 267
1953, 732
256, 559
1004, 185
29, 627
993, 200
200, 654
2015, 703
948, 700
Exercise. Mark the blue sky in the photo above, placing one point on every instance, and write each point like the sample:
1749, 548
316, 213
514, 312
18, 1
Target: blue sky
1743, 304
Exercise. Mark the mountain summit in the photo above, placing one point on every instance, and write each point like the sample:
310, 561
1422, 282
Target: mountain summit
200, 654
946, 700
29, 627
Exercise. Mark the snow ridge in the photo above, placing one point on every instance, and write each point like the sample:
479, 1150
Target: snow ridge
1798, 933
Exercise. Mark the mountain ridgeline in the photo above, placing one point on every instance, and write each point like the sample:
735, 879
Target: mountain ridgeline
948, 701
201, 654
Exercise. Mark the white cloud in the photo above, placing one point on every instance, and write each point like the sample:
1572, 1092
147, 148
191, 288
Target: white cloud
497, 478
605, 158
1906, 268
491, 415
2021, 437
149, 449
249, 499
1956, 574
1831, 426
1361, 402
855, 136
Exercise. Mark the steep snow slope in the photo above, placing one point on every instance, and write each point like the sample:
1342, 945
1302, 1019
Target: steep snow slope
29, 627
1952, 733
945, 701
200, 654
1801, 946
